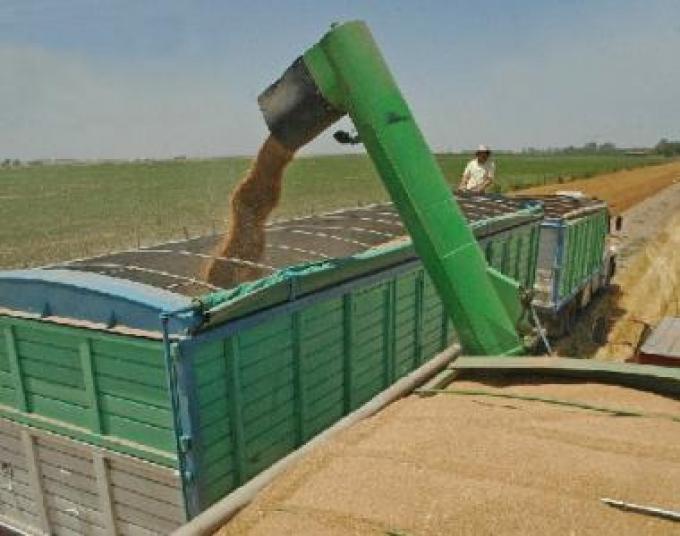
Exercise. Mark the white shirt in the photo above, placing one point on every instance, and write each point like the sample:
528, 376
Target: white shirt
475, 173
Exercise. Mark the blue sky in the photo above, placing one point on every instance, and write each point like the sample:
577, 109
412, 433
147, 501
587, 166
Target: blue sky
97, 79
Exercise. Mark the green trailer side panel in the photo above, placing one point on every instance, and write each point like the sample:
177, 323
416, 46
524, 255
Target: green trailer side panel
584, 240
105, 388
266, 390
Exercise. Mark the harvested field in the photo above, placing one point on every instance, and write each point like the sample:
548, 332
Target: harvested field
60, 212
621, 189
452, 464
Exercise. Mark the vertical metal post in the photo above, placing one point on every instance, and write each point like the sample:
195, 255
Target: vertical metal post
176, 425
347, 351
101, 472
35, 479
388, 332
236, 407
420, 304
298, 379
15, 368
85, 351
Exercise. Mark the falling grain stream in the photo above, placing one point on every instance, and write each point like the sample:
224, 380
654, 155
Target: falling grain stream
253, 200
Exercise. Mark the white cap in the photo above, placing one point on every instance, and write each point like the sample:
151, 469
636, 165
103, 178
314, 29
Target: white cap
483, 149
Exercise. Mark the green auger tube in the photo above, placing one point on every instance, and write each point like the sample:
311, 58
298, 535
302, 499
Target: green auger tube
345, 73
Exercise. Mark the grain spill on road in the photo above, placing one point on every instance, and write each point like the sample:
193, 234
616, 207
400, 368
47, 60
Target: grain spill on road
252, 202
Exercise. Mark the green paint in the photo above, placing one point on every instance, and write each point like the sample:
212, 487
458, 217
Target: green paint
98, 388
15, 368
236, 408
299, 383
347, 308
138, 450
90, 387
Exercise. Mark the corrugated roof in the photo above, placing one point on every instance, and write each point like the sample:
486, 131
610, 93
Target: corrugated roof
664, 339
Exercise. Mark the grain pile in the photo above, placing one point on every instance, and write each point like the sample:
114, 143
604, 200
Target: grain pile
253, 200
478, 465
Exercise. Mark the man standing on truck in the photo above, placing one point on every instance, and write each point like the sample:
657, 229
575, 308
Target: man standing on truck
479, 173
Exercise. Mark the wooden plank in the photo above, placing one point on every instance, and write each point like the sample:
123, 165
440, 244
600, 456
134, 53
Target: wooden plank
35, 480
61, 357
58, 488
84, 511
263, 333
283, 378
55, 391
73, 462
232, 353
121, 369
56, 409
269, 433
216, 432
130, 529
10, 343
152, 436
216, 411
144, 519
104, 491
52, 373
90, 387
70, 478
276, 361
275, 398
63, 521
270, 419
170, 512
155, 473
168, 494
135, 392
212, 392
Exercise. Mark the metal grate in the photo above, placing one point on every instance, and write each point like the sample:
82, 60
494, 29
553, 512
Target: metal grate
177, 265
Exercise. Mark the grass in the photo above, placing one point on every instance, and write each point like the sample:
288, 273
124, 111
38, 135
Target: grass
59, 212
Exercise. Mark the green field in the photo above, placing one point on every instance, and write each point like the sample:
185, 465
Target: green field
57, 212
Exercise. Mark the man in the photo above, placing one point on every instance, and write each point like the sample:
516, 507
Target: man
479, 172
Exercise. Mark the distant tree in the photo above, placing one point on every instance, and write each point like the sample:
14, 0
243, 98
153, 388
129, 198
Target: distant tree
667, 148
7, 162
590, 147
607, 147
16, 162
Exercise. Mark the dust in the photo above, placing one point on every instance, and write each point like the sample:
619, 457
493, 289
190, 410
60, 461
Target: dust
252, 201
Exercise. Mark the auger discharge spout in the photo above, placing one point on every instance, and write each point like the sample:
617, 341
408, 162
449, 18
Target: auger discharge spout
345, 73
